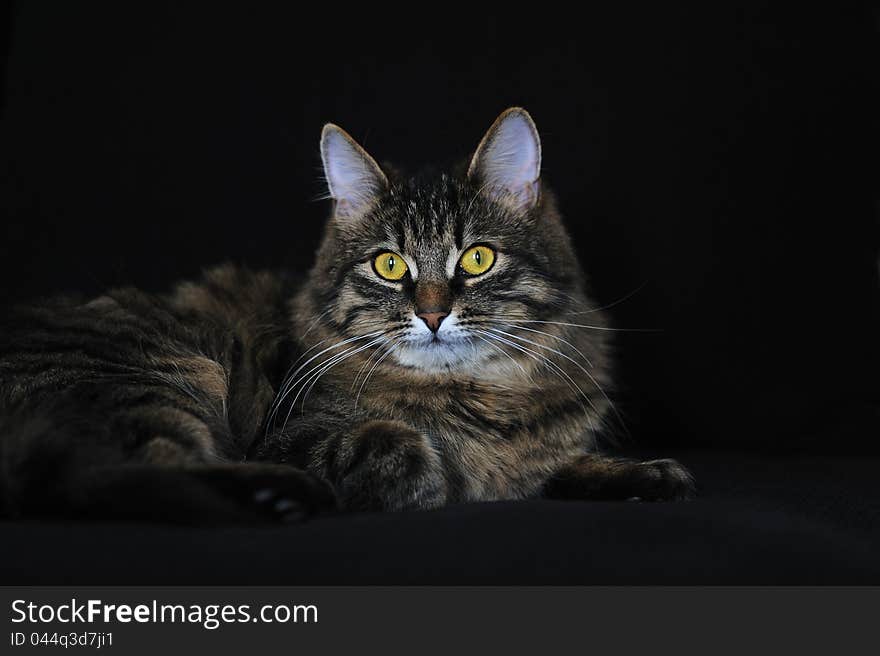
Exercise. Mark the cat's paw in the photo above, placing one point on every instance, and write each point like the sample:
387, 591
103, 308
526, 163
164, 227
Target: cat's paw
386, 465
661, 480
275, 505
270, 492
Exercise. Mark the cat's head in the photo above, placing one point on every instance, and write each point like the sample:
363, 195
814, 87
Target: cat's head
435, 264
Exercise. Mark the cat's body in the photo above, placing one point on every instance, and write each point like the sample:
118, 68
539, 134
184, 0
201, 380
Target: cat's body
399, 374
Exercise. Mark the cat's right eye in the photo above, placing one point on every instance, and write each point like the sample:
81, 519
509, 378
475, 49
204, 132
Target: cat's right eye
389, 266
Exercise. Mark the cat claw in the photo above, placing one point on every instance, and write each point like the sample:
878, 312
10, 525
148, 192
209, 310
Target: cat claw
263, 495
282, 508
283, 505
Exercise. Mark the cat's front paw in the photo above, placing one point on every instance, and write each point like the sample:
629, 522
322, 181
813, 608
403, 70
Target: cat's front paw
270, 492
661, 480
386, 465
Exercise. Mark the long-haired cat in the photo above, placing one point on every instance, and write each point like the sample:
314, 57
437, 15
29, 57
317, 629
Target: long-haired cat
442, 349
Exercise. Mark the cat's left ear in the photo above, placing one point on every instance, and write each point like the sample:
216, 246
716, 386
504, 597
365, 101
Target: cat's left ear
353, 177
507, 163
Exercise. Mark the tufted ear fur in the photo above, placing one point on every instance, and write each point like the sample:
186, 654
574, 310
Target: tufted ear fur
507, 163
354, 180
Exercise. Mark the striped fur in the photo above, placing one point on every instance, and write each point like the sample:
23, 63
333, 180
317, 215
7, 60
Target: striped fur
234, 397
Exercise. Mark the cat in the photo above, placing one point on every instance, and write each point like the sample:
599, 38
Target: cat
442, 349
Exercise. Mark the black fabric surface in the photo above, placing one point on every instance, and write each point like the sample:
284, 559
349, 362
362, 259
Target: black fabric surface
759, 519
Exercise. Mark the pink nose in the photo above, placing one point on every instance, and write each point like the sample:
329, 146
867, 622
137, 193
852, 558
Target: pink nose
433, 319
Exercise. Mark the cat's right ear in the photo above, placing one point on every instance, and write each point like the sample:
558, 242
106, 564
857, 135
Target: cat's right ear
354, 180
507, 164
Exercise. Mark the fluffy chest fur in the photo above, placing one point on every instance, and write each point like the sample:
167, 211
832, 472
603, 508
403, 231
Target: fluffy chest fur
498, 439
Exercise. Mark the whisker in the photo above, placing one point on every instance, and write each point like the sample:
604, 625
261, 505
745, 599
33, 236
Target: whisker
506, 354
473, 358
577, 364
286, 386
580, 325
476, 195
329, 364
548, 348
390, 350
315, 322
330, 348
556, 370
617, 302
542, 359
341, 343
316, 372
369, 360
564, 341
326, 369
293, 382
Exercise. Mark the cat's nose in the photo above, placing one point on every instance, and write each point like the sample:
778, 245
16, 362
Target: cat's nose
433, 319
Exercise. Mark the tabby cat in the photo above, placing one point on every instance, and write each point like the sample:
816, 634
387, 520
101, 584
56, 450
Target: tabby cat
442, 349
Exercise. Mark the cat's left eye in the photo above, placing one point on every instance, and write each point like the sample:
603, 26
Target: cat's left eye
390, 266
477, 260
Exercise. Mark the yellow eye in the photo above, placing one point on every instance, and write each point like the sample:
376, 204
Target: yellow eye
390, 266
477, 260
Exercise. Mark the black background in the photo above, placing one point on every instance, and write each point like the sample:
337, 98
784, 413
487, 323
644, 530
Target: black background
715, 159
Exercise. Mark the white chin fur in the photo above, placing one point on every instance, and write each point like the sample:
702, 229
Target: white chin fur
450, 350
438, 356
